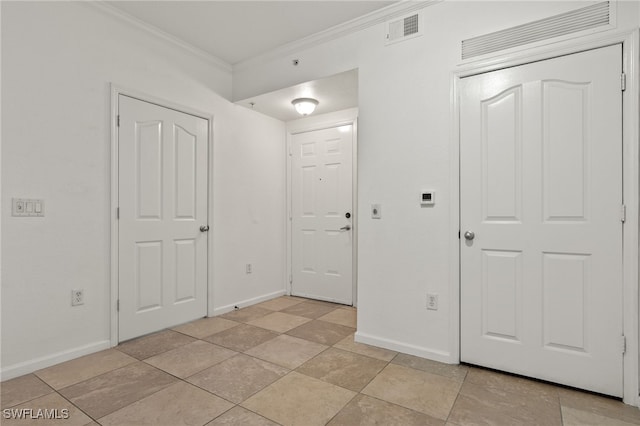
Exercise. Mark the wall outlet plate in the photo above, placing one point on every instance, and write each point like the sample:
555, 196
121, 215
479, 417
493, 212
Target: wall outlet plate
77, 297
432, 302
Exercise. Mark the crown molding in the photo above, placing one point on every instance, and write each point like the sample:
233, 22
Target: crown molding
403, 7
163, 35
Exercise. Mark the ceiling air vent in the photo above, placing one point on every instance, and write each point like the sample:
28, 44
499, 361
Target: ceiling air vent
404, 28
586, 18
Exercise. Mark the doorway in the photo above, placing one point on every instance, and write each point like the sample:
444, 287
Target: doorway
541, 217
162, 217
322, 215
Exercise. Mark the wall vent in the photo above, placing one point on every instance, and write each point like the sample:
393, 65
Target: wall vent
404, 28
582, 19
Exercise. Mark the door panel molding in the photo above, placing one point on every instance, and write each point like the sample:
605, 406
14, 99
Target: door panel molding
631, 188
115, 91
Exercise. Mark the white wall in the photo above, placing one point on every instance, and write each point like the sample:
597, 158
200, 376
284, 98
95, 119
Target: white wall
405, 146
58, 59
249, 211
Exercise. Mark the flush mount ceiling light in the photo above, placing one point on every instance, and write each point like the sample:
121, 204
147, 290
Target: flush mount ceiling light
305, 106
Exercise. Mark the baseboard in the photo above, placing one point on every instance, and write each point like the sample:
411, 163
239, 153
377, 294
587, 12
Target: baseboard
394, 345
30, 366
248, 302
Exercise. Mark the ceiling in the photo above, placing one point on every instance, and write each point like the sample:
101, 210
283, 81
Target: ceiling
334, 93
235, 31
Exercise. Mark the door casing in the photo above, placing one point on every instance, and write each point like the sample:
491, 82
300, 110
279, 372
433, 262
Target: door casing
116, 91
630, 181
340, 118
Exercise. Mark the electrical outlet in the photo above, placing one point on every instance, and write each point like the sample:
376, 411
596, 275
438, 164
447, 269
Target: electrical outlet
77, 297
432, 302
249, 269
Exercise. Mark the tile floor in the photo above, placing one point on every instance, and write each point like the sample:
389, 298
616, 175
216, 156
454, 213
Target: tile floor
290, 361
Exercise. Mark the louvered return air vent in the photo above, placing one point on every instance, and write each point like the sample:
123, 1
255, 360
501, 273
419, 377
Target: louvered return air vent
586, 18
404, 28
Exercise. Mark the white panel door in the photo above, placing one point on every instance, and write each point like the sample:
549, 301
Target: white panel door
541, 189
321, 206
162, 252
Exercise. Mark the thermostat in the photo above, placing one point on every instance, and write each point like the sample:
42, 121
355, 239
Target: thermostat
428, 198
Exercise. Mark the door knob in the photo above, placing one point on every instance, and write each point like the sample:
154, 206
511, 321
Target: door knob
345, 228
469, 235
204, 228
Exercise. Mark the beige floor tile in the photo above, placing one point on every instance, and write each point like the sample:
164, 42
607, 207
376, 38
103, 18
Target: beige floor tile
343, 368
22, 389
247, 314
289, 352
280, 303
176, 405
346, 317
116, 389
189, 359
297, 399
309, 310
205, 327
600, 405
509, 383
482, 405
364, 410
83, 368
238, 378
453, 371
242, 337
348, 344
573, 417
239, 416
154, 344
323, 332
50, 409
414, 389
279, 322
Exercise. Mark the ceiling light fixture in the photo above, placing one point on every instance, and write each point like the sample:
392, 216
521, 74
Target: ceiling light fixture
305, 106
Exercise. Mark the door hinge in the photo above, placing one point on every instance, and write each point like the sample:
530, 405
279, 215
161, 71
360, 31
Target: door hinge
623, 213
623, 344
117, 213
623, 82
118, 305
458, 234
118, 121
290, 279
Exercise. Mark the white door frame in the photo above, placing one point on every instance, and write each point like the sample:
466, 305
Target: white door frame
630, 180
309, 124
116, 91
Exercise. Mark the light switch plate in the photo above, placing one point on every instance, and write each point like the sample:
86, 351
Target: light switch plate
27, 207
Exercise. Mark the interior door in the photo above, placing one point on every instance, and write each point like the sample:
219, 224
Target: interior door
321, 206
162, 251
541, 199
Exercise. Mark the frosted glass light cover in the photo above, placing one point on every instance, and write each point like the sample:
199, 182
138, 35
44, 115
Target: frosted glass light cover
305, 106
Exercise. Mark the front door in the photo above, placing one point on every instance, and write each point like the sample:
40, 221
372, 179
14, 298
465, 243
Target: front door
322, 221
540, 202
162, 253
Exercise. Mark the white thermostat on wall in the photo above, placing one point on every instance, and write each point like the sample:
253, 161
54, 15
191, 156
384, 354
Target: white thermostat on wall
428, 198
